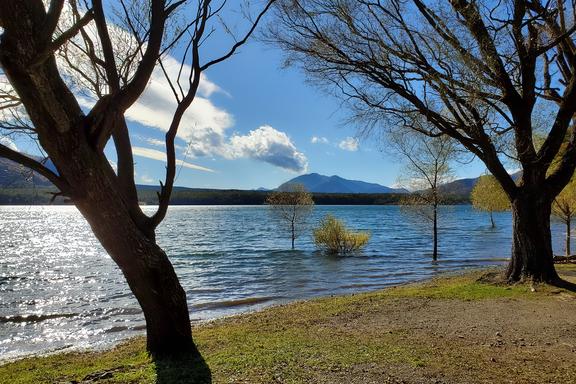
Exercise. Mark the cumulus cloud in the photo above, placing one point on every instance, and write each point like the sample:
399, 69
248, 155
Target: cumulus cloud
161, 156
319, 140
7, 142
268, 145
349, 144
204, 126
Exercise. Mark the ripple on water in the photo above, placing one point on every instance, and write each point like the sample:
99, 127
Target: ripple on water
59, 289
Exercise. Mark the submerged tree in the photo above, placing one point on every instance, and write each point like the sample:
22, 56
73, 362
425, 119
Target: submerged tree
564, 207
488, 196
292, 205
70, 72
334, 238
477, 71
428, 167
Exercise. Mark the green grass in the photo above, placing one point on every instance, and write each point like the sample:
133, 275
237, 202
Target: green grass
288, 344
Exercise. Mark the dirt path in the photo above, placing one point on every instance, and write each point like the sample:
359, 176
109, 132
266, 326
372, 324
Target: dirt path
500, 340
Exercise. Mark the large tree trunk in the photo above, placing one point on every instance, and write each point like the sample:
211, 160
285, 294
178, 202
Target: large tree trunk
532, 257
150, 276
72, 142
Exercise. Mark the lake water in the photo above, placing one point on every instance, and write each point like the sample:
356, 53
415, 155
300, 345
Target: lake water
59, 289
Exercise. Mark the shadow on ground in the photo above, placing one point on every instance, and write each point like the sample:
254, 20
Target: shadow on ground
565, 284
190, 369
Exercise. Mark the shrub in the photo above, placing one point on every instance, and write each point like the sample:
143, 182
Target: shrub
333, 237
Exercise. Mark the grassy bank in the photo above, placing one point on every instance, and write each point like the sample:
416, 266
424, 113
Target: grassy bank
459, 329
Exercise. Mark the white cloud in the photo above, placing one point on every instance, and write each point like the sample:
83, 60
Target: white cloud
6, 141
161, 156
204, 126
319, 140
146, 179
349, 144
154, 142
268, 145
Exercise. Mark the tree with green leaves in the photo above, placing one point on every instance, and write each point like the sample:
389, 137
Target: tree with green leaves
564, 207
334, 238
292, 205
488, 196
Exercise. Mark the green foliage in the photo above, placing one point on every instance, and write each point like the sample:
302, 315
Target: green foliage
489, 196
333, 237
564, 206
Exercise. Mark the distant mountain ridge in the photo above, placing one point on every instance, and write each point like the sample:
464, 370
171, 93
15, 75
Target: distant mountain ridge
13, 175
317, 183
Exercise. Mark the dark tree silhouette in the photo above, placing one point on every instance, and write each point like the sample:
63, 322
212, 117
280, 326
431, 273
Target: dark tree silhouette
51, 56
480, 72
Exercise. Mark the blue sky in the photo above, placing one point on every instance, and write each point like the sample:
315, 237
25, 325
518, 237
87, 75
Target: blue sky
253, 124
257, 94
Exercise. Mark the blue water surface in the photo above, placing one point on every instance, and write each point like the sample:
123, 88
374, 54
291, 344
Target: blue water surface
60, 290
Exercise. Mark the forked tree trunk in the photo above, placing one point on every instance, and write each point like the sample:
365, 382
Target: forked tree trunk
72, 143
532, 257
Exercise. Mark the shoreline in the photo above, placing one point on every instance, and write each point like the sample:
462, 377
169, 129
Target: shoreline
445, 329
203, 322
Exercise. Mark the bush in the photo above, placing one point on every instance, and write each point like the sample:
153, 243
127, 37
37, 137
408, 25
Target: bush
333, 237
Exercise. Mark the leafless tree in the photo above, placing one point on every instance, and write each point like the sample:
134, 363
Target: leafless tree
480, 72
427, 167
291, 206
51, 57
564, 208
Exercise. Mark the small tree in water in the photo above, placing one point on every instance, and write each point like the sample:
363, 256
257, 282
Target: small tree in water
488, 196
333, 237
564, 207
427, 168
292, 205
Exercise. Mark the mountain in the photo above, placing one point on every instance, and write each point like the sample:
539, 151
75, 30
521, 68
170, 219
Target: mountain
317, 183
14, 175
464, 187
460, 187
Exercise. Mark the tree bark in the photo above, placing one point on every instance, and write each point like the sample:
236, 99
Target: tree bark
148, 272
532, 257
435, 220
293, 234
568, 222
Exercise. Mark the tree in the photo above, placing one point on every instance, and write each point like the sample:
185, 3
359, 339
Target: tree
479, 72
427, 169
333, 237
564, 207
69, 74
488, 196
292, 205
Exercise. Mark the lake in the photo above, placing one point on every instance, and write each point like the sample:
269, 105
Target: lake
59, 290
